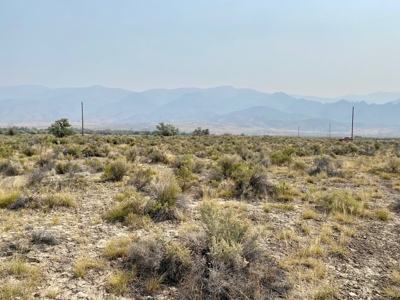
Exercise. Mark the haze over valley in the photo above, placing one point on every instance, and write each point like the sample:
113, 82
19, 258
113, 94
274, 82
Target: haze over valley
220, 108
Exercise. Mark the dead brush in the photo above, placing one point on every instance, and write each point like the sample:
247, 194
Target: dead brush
44, 237
23, 202
325, 164
37, 176
146, 256
10, 168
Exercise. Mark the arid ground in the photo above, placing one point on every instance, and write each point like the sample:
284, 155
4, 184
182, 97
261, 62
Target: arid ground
209, 217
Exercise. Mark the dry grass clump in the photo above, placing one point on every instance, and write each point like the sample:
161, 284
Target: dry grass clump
285, 191
342, 201
327, 292
117, 247
84, 263
309, 214
18, 279
8, 198
117, 282
382, 214
59, 199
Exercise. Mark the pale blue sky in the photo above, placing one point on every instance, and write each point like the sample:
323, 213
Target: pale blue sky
323, 48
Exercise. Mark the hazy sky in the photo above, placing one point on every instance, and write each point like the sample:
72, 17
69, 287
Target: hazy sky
323, 48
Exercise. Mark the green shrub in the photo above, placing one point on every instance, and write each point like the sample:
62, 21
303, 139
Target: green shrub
64, 168
185, 178
177, 262
116, 170
158, 156
280, 158
166, 191
228, 163
166, 130
141, 177
134, 204
29, 151
61, 128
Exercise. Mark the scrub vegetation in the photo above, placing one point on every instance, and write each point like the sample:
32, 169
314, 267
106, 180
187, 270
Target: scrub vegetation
198, 217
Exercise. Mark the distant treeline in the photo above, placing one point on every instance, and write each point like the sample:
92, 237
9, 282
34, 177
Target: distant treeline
27, 130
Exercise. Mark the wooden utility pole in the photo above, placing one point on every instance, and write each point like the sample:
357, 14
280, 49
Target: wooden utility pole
83, 131
329, 130
352, 124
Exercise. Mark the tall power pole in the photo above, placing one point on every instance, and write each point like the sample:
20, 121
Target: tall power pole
329, 130
352, 124
83, 131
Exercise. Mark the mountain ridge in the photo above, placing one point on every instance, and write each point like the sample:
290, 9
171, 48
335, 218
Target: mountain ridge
220, 105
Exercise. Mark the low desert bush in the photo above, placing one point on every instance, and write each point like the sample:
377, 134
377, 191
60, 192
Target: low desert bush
23, 202
132, 154
393, 165
165, 206
134, 204
228, 163
157, 155
10, 168
326, 164
45, 158
141, 177
285, 192
37, 176
146, 255
115, 170
29, 151
283, 157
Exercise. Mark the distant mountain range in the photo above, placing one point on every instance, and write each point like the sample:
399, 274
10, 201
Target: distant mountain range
377, 113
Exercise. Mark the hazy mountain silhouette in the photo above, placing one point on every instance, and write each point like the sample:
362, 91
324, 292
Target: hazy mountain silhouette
219, 105
377, 98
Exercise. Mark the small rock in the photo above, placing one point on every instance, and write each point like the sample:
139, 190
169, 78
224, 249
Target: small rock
101, 244
81, 295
